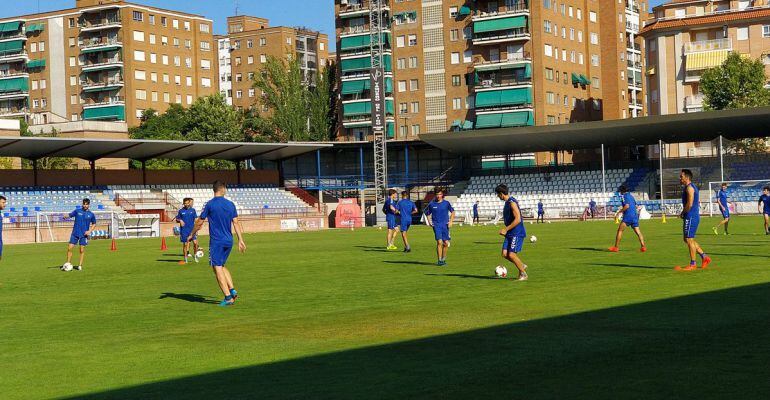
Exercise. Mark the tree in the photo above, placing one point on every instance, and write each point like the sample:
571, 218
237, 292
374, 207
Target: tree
738, 83
320, 106
285, 95
167, 126
45, 162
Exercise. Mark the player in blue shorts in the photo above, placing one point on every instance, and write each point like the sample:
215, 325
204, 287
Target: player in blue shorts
440, 215
405, 208
389, 208
513, 231
540, 212
724, 208
223, 218
85, 222
186, 220
476, 212
630, 219
691, 217
764, 207
2, 207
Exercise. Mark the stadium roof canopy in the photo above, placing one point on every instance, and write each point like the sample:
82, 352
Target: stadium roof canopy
677, 128
94, 149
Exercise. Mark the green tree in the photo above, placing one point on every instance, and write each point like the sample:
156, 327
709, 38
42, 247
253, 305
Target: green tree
45, 162
167, 126
737, 83
283, 92
320, 106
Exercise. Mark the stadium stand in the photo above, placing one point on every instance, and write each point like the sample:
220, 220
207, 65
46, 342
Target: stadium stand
28, 201
567, 193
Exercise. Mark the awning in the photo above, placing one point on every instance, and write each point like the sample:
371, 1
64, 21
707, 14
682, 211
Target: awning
103, 87
488, 121
584, 80
13, 46
363, 63
10, 26
36, 63
499, 24
575, 79
353, 87
98, 49
705, 60
505, 120
364, 108
464, 11
496, 67
111, 112
505, 97
14, 85
359, 42
35, 28
467, 125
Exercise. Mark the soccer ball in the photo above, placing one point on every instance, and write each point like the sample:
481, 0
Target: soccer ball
501, 272
199, 254
66, 267
533, 239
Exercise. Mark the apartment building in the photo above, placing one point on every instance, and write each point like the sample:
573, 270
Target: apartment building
104, 60
684, 38
252, 41
454, 65
225, 68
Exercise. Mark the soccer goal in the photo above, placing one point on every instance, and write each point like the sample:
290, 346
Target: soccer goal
742, 196
56, 227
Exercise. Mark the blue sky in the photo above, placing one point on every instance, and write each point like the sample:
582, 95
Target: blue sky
314, 14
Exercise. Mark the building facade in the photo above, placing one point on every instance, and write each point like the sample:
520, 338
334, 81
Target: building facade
684, 38
252, 41
225, 68
104, 60
452, 65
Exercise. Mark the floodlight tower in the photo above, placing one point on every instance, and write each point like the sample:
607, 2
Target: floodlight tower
377, 25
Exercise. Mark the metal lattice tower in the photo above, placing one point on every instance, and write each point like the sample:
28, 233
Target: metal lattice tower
377, 26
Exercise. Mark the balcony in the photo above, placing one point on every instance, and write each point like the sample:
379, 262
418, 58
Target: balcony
480, 64
13, 74
630, 26
358, 9
13, 36
101, 24
97, 86
693, 103
99, 44
106, 101
520, 8
634, 64
10, 112
708, 45
635, 84
633, 47
103, 65
512, 35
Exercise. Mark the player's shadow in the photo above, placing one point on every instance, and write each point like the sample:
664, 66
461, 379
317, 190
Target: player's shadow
410, 262
192, 298
740, 255
373, 248
627, 266
589, 249
466, 276
486, 242
168, 261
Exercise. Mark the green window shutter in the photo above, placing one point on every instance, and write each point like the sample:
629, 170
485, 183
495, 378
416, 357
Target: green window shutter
353, 109
467, 125
528, 70
388, 85
575, 79
14, 85
516, 96
488, 99
353, 87
111, 112
513, 119
390, 130
500, 24
464, 11
36, 63
389, 107
10, 26
488, 121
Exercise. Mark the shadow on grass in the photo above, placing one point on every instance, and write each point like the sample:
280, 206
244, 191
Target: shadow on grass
192, 298
740, 255
628, 265
374, 248
466, 276
712, 345
590, 249
169, 261
410, 262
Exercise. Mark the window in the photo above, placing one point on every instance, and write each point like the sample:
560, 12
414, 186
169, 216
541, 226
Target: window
563, 9
138, 16
402, 86
154, 77
239, 77
455, 80
401, 63
152, 39
595, 60
556, 75
35, 103
565, 101
205, 46
140, 75
164, 40
580, 59
175, 25
412, 62
564, 77
154, 96
400, 41
151, 19
680, 13
546, 26
262, 41
177, 61
188, 44
153, 58
206, 64
592, 16
564, 33
402, 130
249, 44
138, 55
580, 36
188, 80
33, 48
178, 80
176, 42
594, 38
72, 22
166, 97
468, 56
139, 36
141, 94
454, 35
550, 98
547, 4
415, 107
742, 33
42, 84
188, 62
549, 74
412, 40
164, 59
415, 130
178, 98
166, 78
204, 28
189, 99
72, 42
571, 33
262, 58
457, 103
595, 82
187, 25
164, 22
551, 120
414, 85
403, 108
579, 14
548, 50
74, 99
572, 56
73, 80
250, 60
43, 103
453, 12
766, 31
467, 33
570, 12
454, 58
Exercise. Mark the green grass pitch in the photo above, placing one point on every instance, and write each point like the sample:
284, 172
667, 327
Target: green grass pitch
332, 315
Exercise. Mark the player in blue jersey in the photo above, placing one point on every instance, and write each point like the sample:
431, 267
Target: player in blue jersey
476, 212
405, 208
2, 207
592, 208
724, 208
85, 222
513, 231
389, 208
186, 219
540, 212
441, 216
223, 218
691, 218
764, 207
630, 219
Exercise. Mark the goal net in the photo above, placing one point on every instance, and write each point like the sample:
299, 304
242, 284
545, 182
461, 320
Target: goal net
57, 227
742, 196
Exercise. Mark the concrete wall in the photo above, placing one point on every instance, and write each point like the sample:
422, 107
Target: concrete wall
132, 177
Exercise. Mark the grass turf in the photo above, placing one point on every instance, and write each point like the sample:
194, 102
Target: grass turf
332, 315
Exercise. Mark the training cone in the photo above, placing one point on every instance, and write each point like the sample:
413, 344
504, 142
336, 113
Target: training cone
163, 244
114, 246
664, 219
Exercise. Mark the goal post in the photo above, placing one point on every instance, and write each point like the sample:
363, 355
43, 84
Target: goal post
56, 227
742, 196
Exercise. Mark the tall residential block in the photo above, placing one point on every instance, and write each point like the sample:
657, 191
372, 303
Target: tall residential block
249, 43
455, 65
104, 60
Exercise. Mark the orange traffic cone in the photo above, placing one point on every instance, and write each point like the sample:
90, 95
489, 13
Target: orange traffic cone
163, 244
114, 246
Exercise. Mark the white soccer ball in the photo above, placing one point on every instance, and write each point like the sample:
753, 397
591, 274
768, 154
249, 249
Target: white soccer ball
199, 254
533, 239
501, 272
66, 267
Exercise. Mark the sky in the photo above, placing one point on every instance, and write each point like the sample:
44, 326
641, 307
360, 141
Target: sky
314, 14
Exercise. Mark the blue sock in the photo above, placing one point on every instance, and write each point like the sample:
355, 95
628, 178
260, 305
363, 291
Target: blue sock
702, 256
692, 262
232, 292
228, 298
